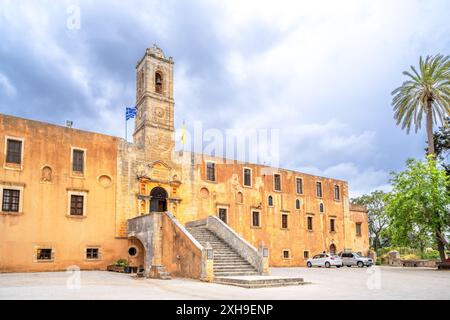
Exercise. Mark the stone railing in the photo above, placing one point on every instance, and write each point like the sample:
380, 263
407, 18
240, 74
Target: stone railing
257, 258
183, 255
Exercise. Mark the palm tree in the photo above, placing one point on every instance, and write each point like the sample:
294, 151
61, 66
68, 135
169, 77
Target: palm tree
426, 91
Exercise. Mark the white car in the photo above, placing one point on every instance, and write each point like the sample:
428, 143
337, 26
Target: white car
353, 259
324, 260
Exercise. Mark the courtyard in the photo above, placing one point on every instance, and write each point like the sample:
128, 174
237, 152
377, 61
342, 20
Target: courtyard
345, 283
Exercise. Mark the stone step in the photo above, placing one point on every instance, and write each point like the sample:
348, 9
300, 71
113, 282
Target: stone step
227, 262
258, 281
235, 273
226, 270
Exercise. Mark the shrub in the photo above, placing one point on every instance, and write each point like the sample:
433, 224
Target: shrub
410, 256
122, 263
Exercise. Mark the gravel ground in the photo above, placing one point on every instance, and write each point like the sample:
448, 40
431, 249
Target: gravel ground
343, 283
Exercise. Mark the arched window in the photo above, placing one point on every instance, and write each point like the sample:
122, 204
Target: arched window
297, 204
321, 207
240, 197
158, 82
270, 201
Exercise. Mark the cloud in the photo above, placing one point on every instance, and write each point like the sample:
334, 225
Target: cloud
321, 72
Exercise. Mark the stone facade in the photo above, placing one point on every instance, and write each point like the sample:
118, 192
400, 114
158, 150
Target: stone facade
125, 182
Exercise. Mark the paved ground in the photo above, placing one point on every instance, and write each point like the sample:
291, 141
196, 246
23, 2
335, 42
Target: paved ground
344, 283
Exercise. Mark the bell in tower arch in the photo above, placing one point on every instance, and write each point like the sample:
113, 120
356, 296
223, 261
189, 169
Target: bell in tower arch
158, 82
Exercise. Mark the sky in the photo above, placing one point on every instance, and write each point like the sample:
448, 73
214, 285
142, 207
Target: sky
320, 72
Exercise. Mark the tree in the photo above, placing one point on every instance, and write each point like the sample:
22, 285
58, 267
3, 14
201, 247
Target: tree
442, 145
378, 219
419, 205
426, 91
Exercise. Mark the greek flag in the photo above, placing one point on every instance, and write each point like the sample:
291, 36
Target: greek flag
130, 112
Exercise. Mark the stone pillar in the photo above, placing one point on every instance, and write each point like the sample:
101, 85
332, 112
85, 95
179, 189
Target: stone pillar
208, 263
263, 253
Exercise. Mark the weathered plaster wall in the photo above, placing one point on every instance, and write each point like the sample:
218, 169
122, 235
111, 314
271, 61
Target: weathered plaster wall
181, 256
44, 221
223, 193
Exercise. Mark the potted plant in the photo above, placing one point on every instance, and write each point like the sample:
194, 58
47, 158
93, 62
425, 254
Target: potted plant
123, 263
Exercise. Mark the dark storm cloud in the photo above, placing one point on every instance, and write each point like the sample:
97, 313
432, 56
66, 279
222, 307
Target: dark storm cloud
321, 74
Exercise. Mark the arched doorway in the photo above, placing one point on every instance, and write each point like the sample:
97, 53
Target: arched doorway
332, 249
158, 200
136, 254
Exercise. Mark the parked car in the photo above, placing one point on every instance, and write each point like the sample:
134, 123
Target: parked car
353, 259
324, 260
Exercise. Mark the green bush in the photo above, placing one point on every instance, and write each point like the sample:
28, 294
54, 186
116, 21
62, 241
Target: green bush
410, 253
430, 254
122, 263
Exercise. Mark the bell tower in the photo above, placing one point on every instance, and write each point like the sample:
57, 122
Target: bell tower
154, 122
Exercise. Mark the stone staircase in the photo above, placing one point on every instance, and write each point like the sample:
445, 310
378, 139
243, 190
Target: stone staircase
227, 262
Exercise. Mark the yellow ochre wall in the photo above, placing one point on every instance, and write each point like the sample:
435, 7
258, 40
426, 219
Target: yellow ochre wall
44, 220
198, 204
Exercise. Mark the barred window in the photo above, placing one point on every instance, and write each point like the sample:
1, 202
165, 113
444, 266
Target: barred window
284, 221
44, 254
310, 223
10, 201
297, 204
321, 208
319, 189
247, 177
306, 254
332, 228
286, 254
255, 219
92, 253
337, 192
211, 171
299, 185
270, 201
277, 182
78, 161
14, 151
76, 205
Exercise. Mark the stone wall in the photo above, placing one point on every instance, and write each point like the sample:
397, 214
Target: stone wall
234, 240
46, 179
182, 254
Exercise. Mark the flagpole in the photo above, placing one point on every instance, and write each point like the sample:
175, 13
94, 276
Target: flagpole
126, 130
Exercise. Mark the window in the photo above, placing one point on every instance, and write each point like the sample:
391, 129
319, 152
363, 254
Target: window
76, 205
158, 82
297, 204
223, 214
305, 254
299, 185
92, 253
286, 254
240, 197
332, 227
44, 254
247, 177
319, 189
310, 223
277, 182
211, 171
78, 161
256, 219
13, 151
10, 201
284, 221
270, 201
132, 251
337, 193
358, 229
321, 208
